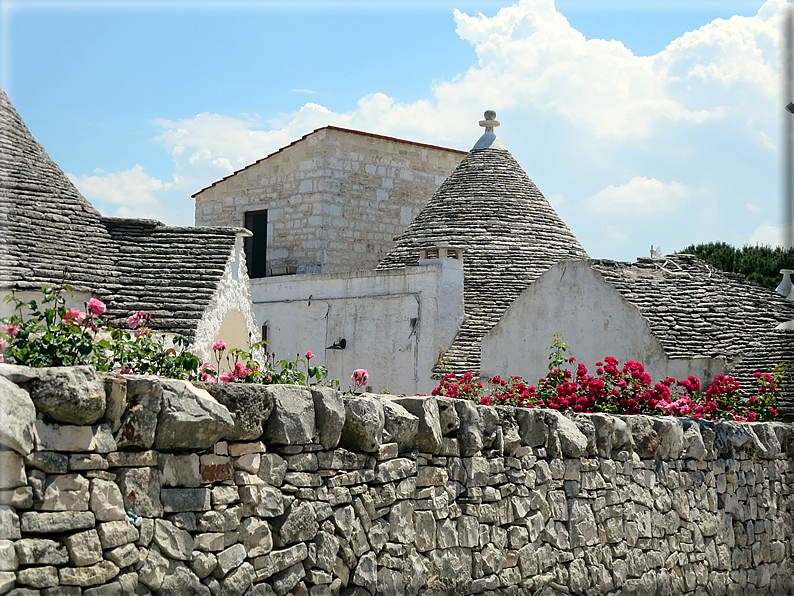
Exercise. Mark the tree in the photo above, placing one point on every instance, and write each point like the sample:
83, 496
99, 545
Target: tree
761, 264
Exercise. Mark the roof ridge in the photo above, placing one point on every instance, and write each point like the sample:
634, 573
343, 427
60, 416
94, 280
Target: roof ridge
327, 127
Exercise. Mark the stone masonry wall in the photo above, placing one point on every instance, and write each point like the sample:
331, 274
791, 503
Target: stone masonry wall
140, 485
335, 198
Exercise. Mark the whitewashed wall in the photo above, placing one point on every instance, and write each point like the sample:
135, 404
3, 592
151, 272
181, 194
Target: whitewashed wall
373, 313
574, 301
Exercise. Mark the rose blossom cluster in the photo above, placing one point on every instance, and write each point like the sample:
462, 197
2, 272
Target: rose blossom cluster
617, 389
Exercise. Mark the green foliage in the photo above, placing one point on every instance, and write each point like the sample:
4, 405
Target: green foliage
53, 335
759, 264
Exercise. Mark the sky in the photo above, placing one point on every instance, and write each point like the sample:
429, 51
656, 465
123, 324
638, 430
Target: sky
643, 122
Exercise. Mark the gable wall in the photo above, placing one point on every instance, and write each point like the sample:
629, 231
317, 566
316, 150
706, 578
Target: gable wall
595, 321
335, 199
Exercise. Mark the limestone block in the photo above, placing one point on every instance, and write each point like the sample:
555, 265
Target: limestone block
191, 418
292, 421
255, 536
572, 441
670, 433
215, 468
470, 432
394, 469
70, 395
175, 543
416, 573
364, 421
12, 470
106, 501
400, 426
65, 492
185, 499
366, 572
694, 447
401, 522
278, 560
239, 449
116, 399
225, 495
249, 406
202, 564
7, 579
228, 559
55, 437
84, 548
272, 469
17, 417
124, 556
286, 580
209, 541
644, 438
298, 523
152, 572
428, 436
329, 411
582, 528
87, 461
179, 580
38, 577
138, 427
8, 556
226, 520
140, 488
116, 533
448, 415
248, 462
181, 470
33, 522
48, 462
265, 500
325, 548
453, 564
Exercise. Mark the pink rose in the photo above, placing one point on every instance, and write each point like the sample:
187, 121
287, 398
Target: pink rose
227, 378
74, 316
219, 345
134, 321
359, 377
3, 344
11, 329
97, 307
309, 355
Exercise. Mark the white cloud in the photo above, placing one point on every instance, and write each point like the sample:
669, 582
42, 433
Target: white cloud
768, 235
623, 112
309, 91
753, 208
639, 196
134, 191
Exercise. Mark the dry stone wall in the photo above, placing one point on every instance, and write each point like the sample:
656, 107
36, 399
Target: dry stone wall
140, 485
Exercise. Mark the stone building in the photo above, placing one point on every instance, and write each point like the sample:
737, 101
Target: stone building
192, 280
330, 202
484, 236
676, 314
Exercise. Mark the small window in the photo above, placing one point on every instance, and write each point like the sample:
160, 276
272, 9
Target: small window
256, 246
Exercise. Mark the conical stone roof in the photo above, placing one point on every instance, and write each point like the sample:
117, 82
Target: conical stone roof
45, 224
489, 207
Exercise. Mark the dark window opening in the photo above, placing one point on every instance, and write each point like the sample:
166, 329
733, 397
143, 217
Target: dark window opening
256, 246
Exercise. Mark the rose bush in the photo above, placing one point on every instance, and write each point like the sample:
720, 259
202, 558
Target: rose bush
617, 389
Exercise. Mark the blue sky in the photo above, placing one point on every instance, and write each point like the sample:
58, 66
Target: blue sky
641, 121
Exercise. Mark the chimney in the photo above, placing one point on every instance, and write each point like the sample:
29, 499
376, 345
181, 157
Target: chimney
441, 254
785, 288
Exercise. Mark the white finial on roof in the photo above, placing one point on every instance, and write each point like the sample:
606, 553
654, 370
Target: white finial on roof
490, 121
489, 138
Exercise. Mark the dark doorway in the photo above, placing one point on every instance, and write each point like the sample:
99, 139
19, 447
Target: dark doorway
256, 246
